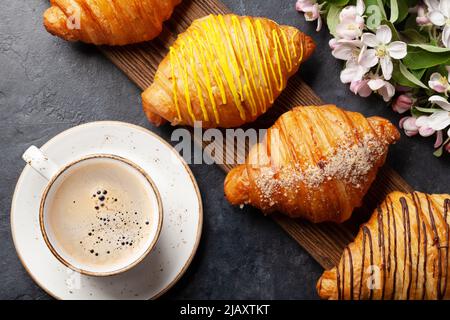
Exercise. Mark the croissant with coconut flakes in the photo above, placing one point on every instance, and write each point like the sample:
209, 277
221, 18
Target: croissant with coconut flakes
315, 163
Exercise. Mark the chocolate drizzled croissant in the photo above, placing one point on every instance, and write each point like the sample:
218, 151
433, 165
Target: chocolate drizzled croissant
401, 253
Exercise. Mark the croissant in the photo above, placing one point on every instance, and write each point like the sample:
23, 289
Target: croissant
225, 70
314, 162
117, 22
401, 253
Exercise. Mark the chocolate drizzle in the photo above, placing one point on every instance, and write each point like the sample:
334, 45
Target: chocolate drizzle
447, 244
394, 280
407, 245
418, 226
425, 253
437, 242
425, 229
382, 248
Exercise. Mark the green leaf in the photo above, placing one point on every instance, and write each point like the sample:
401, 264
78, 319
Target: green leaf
414, 36
403, 9
338, 3
394, 11
411, 77
333, 18
430, 48
418, 58
427, 110
438, 152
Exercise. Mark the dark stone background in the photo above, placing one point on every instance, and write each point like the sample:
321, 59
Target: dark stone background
48, 85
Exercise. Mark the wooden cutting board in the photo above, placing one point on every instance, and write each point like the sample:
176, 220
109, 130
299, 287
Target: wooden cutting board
325, 241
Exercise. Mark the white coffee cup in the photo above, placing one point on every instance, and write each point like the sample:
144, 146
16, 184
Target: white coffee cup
63, 223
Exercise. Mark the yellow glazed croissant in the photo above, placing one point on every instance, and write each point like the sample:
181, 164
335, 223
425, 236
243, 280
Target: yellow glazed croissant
225, 71
314, 162
401, 253
111, 22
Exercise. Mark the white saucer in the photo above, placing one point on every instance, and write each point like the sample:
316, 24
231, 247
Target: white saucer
182, 206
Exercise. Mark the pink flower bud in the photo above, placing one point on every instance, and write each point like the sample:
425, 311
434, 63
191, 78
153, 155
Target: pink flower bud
361, 88
403, 103
426, 131
447, 147
409, 125
422, 18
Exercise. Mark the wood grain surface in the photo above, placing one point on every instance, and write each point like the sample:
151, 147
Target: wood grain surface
326, 241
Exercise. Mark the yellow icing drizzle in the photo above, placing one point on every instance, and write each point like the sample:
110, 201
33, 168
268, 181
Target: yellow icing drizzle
214, 58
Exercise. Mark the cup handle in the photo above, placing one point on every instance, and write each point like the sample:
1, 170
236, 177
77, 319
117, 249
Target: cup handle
40, 162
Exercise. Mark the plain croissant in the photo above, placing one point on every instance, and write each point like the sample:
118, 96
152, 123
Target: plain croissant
117, 22
314, 162
225, 70
401, 253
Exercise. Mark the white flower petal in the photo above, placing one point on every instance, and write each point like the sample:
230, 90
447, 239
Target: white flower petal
348, 13
360, 7
387, 67
384, 34
422, 121
368, 58
343, 52
439, 120
440, 101
369, 39
348, 30
446, 36
397, 49
376, 84
444, 7
437, 18
319, 23
432, 4
348, 75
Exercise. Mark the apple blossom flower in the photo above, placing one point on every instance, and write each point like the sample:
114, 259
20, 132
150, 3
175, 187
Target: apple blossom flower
440, 83
408, 124
383, 50
361, 88
438, 120
428, 125
311, 10
441, 17
382, 87
403, 103
351, 21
